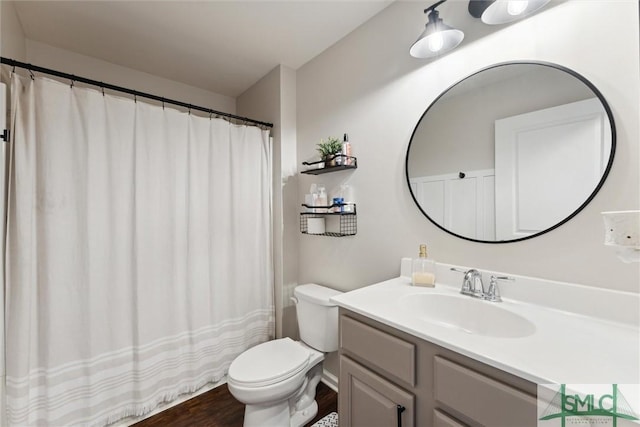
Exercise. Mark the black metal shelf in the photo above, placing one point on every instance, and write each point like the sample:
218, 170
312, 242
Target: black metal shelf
348, 220
329, 234
353, 164
334, 205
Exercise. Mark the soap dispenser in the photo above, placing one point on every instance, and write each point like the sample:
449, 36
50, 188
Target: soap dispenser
423, 270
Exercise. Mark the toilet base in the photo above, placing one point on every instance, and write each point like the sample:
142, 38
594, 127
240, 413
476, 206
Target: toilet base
270, 415
290, 403
278, 415
303, 416
296, 411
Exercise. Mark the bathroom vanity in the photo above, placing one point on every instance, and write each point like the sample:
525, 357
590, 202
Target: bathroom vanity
383, 370
431, 357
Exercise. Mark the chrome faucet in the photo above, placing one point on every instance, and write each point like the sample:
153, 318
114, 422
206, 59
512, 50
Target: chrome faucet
472, 285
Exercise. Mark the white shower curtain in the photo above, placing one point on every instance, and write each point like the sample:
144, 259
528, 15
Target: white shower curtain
139, 253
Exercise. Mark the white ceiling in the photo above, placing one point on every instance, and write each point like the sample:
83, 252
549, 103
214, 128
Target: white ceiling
222, 46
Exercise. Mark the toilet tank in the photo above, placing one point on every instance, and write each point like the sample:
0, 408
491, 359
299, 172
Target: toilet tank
317, 316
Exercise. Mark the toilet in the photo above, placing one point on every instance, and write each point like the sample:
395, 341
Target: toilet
277, 380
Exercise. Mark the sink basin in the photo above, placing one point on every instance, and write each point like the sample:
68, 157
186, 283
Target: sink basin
467, 314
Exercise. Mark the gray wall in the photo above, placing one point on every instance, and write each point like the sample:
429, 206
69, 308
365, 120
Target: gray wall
369, 86
12, 40
272, 99
74, 63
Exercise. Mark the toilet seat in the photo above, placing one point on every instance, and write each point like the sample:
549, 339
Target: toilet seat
269, 363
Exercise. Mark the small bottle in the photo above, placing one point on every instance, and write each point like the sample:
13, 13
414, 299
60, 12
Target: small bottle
337, 205
322, 201
346, 192
308, 202
339, 157
423, 270
346, 150
313, 197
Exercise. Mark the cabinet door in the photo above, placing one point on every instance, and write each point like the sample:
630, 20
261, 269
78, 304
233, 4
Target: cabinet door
368, 400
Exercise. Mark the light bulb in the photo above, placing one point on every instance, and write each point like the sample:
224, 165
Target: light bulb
435, 42
516, 7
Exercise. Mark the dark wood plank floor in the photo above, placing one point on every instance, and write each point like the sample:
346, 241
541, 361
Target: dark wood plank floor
217, 408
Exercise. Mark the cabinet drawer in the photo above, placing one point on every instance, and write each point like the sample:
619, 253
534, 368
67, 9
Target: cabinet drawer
386, 352
480, 398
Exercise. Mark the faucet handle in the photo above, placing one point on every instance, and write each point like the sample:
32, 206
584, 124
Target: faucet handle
493, 294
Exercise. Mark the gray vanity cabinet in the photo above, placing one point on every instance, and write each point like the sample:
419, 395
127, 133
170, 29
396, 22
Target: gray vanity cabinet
371, 400
391, 378
375, 398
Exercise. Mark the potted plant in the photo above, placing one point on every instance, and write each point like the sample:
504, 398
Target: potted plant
328, 150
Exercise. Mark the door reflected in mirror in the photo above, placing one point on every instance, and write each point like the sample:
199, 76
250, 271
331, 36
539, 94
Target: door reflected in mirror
510, 152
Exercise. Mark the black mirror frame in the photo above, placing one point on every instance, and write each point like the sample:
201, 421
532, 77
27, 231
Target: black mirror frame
574, 213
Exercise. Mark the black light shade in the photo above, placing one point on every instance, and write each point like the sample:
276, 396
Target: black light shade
495, 12
436, 39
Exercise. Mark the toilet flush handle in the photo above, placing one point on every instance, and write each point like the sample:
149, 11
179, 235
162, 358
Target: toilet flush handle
295, 300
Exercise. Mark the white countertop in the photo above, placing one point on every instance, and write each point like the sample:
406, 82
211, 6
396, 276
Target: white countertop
566, 347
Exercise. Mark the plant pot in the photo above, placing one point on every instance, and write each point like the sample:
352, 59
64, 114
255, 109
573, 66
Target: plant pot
329, 161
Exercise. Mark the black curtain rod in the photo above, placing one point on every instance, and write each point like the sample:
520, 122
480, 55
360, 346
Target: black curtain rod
73, 78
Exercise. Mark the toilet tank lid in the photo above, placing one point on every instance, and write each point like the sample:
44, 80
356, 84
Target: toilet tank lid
316, 294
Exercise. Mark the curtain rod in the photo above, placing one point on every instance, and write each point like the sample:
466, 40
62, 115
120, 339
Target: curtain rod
30, 67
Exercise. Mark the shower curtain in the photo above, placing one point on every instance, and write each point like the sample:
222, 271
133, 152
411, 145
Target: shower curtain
139, 253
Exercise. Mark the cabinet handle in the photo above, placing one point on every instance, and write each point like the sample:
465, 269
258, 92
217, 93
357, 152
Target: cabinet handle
400, 409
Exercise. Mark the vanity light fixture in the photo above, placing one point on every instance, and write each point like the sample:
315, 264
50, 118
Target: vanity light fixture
495, 12
437, 37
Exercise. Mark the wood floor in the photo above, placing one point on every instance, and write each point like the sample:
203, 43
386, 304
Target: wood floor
217, 408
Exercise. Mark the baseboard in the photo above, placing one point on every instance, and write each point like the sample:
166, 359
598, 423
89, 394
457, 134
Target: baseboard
330, 380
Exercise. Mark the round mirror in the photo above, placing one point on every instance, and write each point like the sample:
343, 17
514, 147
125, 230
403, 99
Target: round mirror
511, 152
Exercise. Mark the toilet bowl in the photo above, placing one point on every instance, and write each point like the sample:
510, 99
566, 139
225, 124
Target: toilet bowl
277, 380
